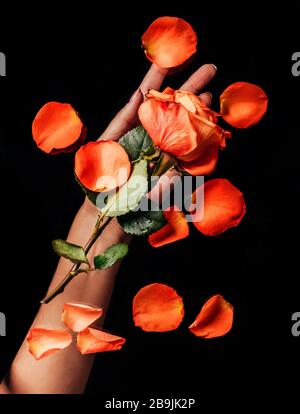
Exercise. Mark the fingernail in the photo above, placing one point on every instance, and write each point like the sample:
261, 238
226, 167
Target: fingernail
134, 95
210, 94
214, 66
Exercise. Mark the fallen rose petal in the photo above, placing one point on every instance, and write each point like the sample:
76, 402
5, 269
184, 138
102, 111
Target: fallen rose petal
223, 207
44, 342
169, 41
157, 308
243, 104
177, 228
78, 317
57, 128
215, 318
102, 165
91, 341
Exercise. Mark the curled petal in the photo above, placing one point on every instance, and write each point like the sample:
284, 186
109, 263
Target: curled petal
78, 317
43, 342
169, 41
57, 128
167, 95
157, 308
195, 105
91, 341
102, 165
177, 228
191, 102
243, 104
215, 318
223, 207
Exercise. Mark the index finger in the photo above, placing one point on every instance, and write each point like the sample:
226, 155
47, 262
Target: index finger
127, 118
200, 79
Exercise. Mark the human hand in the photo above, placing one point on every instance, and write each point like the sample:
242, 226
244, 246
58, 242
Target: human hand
127, 119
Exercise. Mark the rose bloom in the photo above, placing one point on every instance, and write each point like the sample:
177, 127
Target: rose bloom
181, 124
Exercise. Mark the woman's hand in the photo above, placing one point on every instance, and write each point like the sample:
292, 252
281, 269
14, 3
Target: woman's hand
67, 371
127, 119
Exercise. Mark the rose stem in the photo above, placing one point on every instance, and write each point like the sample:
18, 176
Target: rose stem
102, 222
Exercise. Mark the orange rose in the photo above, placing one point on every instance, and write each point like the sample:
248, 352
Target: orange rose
180, 124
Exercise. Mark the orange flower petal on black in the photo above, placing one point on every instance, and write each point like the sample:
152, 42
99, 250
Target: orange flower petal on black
223, 207
177, 228
169, 41
44, 342
91, 341
57, 128
243, 104
157, 308
78, 317
215, 318
102, 165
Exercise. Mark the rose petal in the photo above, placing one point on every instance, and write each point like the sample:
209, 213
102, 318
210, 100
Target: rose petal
215, 318
167, 95
169, 41
91, 341
224, 207
78, 317
102, 165
157, 308
204, 158
195, 105
203, 165
177, 228
169, 126
43, 342
243, 104
57, 127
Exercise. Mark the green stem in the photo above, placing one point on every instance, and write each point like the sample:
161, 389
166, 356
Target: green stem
164, 163
102, 222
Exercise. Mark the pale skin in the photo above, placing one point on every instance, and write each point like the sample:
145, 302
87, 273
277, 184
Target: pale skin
67, 371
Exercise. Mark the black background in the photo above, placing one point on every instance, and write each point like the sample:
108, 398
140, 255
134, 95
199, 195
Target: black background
94, 61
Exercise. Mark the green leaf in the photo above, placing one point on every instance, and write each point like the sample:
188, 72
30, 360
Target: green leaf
137, 143
130, 194
70, 251
142, 223
110, 256
91, 195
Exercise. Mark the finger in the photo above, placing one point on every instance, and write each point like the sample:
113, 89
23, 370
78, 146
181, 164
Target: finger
206, 98
200, 78
127, 118
153, 79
